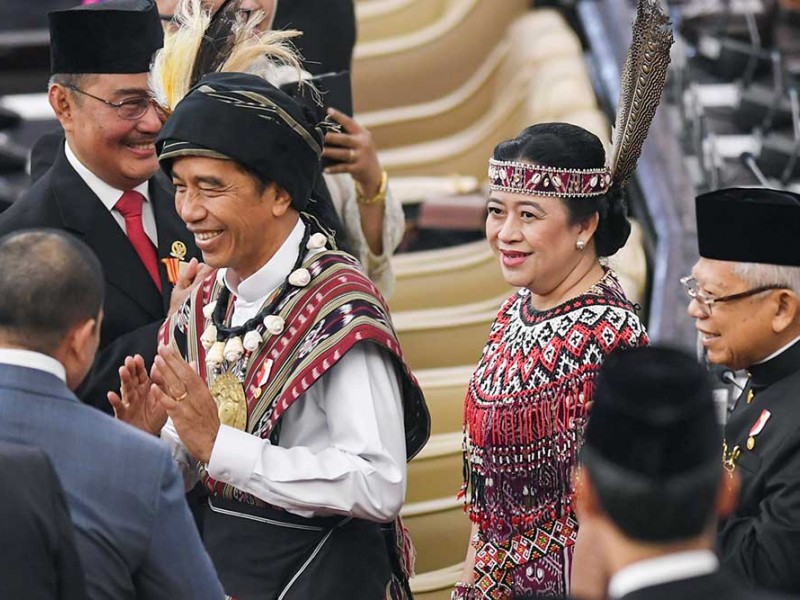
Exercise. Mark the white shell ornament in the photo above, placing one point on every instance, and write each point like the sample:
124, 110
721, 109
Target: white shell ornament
317, 241
300, 278
208, 309
216, 354
233, 349
274, 324
209, 337
252, 340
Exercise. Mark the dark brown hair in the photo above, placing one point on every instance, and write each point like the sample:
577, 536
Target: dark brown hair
571, 147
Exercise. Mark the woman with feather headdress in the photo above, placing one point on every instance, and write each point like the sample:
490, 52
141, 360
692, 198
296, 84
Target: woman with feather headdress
556, 208
207, 36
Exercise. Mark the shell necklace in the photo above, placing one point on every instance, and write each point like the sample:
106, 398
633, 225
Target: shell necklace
228, 348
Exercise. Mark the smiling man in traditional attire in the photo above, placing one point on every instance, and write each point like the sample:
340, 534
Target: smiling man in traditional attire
304, 452
745, 299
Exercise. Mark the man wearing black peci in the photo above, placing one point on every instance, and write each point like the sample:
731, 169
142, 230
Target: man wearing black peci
745, 298
103, 187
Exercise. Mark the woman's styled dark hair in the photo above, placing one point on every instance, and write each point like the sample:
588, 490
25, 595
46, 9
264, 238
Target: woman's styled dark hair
571, 147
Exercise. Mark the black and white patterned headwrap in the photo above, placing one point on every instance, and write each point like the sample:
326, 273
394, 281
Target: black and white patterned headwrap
242, 117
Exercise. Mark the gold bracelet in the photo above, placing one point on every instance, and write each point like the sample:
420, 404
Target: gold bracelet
378, 198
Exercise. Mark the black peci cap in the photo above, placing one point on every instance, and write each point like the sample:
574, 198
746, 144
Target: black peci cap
653, 414
244, 118
753, 225
118, 36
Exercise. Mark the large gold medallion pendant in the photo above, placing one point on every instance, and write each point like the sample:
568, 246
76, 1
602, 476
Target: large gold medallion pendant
229, 395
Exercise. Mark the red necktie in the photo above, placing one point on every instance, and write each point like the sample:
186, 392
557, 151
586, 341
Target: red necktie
130, 207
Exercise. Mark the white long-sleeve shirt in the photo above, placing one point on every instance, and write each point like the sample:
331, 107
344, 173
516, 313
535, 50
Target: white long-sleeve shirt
342, 444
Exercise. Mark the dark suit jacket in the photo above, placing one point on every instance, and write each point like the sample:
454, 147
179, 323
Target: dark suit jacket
760, 543
134, 533
45, 151
40, 561
329, 32
717, 586
134, 309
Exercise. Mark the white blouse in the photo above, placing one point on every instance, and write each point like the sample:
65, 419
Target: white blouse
378, 268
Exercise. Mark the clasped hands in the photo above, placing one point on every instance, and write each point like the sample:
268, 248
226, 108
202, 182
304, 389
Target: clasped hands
172, 389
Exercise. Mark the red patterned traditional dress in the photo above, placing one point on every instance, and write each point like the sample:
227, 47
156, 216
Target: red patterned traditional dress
523, 422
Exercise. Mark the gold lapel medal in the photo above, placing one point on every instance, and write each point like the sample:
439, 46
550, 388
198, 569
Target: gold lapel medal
757, 427
175, 264
262, 377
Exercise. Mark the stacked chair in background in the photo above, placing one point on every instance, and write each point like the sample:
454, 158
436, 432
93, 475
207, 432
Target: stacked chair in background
533, 72
439, 83
410, 67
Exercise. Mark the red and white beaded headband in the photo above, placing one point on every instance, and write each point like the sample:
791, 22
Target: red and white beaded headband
538, 180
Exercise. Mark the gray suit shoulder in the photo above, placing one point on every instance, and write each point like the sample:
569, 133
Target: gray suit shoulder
149, 449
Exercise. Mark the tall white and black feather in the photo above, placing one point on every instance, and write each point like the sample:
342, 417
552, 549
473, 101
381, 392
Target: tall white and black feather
644, 77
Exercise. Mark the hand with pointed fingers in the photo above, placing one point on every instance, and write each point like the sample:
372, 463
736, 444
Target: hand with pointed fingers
135, 404
187, 400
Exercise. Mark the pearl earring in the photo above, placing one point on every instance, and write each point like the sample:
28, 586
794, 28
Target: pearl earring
580, 245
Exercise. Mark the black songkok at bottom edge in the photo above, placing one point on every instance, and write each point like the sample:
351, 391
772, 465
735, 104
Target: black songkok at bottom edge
753, 225
652, 441
244, 118
653, 415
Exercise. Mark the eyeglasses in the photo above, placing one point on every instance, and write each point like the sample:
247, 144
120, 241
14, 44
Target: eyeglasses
131, 109
706, 302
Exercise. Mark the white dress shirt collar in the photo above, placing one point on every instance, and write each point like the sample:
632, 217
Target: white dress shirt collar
108, 195
261, 283
779, 352
32, 360
660, 570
